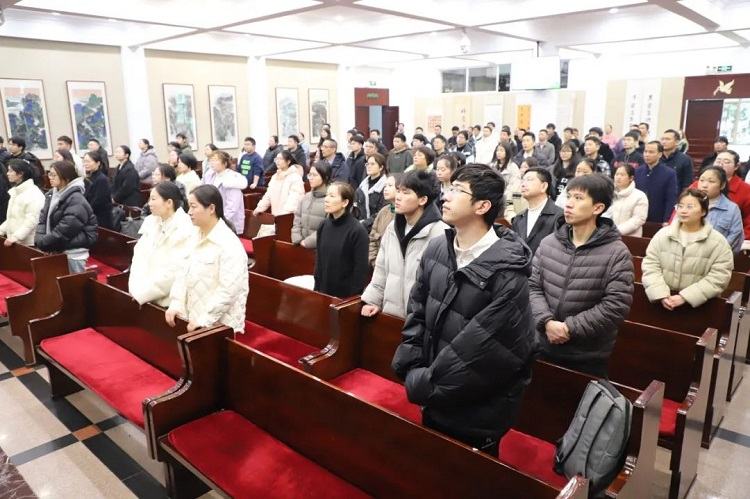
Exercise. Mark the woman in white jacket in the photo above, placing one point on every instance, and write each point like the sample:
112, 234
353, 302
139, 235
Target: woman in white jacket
286, 189
163, 246
630, 206
211, 286
25, 204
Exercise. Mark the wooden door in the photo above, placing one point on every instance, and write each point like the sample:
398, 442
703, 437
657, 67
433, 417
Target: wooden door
702, 121
390, 125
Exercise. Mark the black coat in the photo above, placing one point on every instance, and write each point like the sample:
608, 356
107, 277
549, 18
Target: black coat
375, 200
342, 258
357, 169
72, 223
127, 188
99, 196
682, 164
544, 226
469, 339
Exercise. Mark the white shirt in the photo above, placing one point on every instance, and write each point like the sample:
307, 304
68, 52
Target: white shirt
533, 216
465, 257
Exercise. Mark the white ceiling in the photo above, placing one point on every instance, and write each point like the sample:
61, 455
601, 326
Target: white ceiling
388, 32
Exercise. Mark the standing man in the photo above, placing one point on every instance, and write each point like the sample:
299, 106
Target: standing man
184, 144
452, 144
643, 129
591, 147
66, 143
540, 219
468, 340
292, 145
356, 161
336, 160
251, 165
400, 156
681, 163
629, 155
375, 135
485, 148
437, 130
604, 149
545, 148
659, 182
464, 146
505, 137
720, 145
553, 138
577, 321
269, 158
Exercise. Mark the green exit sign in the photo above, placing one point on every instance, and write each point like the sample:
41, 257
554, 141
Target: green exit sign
373, 83
723, 69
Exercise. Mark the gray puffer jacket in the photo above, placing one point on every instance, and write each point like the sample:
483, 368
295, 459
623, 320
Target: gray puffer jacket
590, 288
309, 215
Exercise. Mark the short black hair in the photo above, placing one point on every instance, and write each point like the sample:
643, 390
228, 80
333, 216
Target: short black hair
174, 144
189, 160
429, 154
465, 133
592, 164
596, 130
63, 138
250, 139
375, 130
294, 138
486, 185
438, 136
399, 135
450, 160
19, 141
674, 132
529, 134
2, 140
459, 157
423, 183
629, 169
275, 138
600, 188
648, 127
568, 129
633, 135
420, 138
552, 126
659, 147
454, 128
593, 138
491, 123
720, 138
181, 136
544, 175
93, 140
477, 127
358, 139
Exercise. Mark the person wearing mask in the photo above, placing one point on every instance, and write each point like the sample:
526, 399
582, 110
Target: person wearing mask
186, 165
658, 182
336, 160
67, 223
356, 160
251, 164
528, 151
577, 322
540, 219
269, 158
286, 189
424, 157
66, 143
464, 147
468, 339
25, 203
369, 198
681, 163
723, 215
98, 192
385, 216
229, 184
688, 257
341, 260
147, 161
629, 155
629, 209
95, 146
127, 186
311, 210
400, 156
162, 247
721, 144
211, 285
417, 222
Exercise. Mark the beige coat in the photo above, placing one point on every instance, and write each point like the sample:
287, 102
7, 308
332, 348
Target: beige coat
189, 180
629, 210
285, 192
24, 206
699, 272
384, 217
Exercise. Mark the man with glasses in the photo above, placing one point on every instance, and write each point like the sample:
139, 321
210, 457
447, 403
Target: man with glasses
337, 161
540, 219
659, 182
468, 340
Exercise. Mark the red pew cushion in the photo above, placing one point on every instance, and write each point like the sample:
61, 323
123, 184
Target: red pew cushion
531, 455
116, 375
102, 269
248, 245
9, 287
668, 420
277, 345
245, 461
379, 391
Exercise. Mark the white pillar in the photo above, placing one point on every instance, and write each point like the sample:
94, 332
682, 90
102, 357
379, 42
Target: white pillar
135, 84
345, 105
257, 90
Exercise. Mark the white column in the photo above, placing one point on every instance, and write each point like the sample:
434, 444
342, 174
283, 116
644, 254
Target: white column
345, 105
257, 89
135, 83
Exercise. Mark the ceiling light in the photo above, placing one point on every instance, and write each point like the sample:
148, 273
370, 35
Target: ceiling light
339, 18
614, 10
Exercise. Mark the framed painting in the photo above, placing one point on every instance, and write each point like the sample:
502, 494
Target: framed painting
25, 114
319, 112
223, 100
88, 113
179, 112
287, 112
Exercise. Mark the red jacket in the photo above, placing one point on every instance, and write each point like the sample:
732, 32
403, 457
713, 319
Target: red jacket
739, 193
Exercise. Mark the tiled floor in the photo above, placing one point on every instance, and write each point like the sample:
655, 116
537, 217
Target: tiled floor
79, 448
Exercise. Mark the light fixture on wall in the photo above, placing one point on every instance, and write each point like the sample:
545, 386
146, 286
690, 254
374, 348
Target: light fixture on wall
464, 44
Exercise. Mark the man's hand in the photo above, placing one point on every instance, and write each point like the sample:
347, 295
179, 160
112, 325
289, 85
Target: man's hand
557, 332
370, 310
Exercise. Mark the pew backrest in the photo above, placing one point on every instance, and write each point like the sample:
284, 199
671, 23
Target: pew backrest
113, 249
282, 260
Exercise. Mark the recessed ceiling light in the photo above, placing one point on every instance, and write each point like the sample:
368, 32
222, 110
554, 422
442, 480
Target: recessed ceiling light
614, 10
55, 13
339, 18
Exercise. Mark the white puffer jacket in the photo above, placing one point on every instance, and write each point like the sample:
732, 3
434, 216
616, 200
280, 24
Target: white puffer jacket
25, 205
629, 210
158, 256
211, 287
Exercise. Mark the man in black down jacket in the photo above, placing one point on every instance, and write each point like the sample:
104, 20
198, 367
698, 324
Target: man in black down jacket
582, 281
468, 340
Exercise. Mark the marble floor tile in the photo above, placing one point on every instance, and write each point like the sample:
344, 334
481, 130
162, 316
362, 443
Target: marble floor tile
44, 373
133, 441
90, 405
73, 472
13, 342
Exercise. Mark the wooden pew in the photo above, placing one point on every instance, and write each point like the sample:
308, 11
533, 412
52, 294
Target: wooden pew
28, 288
102, 340
335, 452
111, 254
282, 260
636, 245
650, 229
251, 200
358, 360
258, 190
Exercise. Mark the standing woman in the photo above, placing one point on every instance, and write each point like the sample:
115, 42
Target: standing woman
341, 260
147, 162
67, 223
723, 215
230, 185
25, 204
687, 256
163, 246
208, 151
311, 211
385, 216
369, 195
186, 175
565, 167
629, 208
98, 192
325, 134
211, 286
286, 189
127, 188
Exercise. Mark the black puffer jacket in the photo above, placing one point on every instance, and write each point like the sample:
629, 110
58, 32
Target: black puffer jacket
72, 222
99, 196
469, 338
127, 185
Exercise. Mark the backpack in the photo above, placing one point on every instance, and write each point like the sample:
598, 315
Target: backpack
595, 443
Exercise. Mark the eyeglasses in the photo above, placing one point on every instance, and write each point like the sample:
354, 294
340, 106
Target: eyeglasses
689, 206
725, 161
51, 174
454, 189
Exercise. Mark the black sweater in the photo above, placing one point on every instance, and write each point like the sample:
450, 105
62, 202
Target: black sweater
341, 262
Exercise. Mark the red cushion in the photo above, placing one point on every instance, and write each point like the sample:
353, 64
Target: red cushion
120, 378
102, 269
668, 420
248, 245
277, 345
532, 456
9, 287
245, 461
379, 391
